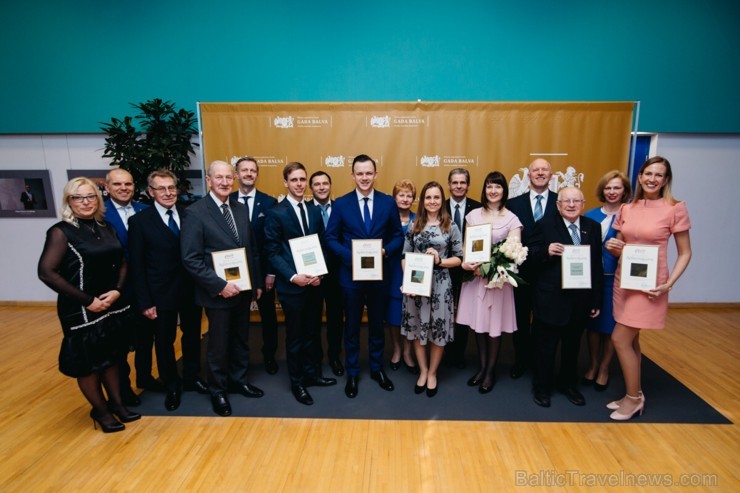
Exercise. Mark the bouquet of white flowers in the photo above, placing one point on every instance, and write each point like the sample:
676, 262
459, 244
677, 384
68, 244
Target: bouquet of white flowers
506, 257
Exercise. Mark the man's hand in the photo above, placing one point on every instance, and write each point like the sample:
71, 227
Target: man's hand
150, 313
230, 290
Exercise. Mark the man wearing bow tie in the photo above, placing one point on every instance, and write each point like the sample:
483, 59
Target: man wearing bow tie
560, 315
257, 204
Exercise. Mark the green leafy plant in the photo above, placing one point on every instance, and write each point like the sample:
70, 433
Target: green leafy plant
159, 137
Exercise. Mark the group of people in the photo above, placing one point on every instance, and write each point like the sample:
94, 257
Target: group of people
126, 273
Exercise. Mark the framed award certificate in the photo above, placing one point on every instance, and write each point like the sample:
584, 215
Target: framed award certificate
576, 267
367, 260
639, 267
307, 255
231, 266
477, 247
418, 270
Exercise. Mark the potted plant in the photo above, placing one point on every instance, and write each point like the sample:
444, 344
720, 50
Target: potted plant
159, 137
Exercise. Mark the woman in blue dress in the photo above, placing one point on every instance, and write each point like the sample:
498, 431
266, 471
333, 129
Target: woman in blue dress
404, 192
613, 190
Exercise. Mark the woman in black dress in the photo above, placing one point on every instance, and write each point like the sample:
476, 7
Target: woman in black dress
83, 262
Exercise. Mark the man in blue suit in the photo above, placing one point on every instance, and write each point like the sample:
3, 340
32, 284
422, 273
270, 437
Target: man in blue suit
257, 204
300, 294
119, 207
530, 208
364, 213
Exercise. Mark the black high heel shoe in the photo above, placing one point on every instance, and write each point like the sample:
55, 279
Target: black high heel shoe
123, 414
484, 389
107, 428
395, 365
432, 392
475, 380
419, 389
414, 370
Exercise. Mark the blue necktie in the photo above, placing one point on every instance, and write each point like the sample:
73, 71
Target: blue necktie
538, 213
574, 234
325, 213
366, 212
172, 224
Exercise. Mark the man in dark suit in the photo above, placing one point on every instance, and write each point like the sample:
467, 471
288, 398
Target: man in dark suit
364, 213
163, 289
458, 205
530, 208
27, 199
561, 314
257, 204
320, 183
212, 224
299, 293
119, 207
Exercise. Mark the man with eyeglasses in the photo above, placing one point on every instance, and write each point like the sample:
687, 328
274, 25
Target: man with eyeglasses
216, 223
119, 208
163, 288
560, 314
530, 208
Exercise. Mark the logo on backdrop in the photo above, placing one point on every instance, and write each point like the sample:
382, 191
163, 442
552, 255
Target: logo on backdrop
265, 161
457, 161
519, 184
387, 121
334, 161
429, 161
301, 122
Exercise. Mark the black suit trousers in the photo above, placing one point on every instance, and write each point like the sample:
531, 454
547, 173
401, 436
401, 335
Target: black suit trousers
165, 331
524, 336
546, 343
268, 318
302, 328
332, 296
228, 344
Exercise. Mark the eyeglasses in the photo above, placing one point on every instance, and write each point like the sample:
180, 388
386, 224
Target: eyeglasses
171, 188
78, 199
571, 201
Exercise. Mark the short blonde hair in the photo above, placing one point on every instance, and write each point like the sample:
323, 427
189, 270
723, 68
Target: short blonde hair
404, 184
70, 189
609, 176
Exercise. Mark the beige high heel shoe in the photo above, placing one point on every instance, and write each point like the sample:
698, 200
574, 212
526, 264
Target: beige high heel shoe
614, 405
617, 416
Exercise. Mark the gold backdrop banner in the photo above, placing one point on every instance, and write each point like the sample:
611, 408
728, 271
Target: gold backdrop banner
423, 141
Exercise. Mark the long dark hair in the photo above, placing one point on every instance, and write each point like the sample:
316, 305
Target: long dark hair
495, 178
445, 221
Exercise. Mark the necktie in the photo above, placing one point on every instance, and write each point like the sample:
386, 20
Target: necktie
457, 217
574, 234
366, 212
245, 201
304, 222
172, 224
325, 213
538, 213
230, 221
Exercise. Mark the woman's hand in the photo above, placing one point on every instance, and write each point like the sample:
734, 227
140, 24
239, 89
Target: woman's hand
432, 251
658, 291
614, 246
472, 266
97, 306
104, 301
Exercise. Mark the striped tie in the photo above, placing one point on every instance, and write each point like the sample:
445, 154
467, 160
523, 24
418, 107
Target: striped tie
230, 221
574, 234
538, 212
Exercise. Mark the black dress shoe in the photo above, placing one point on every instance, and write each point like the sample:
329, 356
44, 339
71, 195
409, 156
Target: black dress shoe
107, 427
271, 366
475, 380
123, 414
517, 370
172, 400
396, 365
151, 384
419, 389
587, 381
413, 369
129, 397
220, 404
600, 387
573, 395
336, 367
247, 390
484, 389
432, 392
382, 379
196, 385
301, 395
351, 387
542, 398
319, 382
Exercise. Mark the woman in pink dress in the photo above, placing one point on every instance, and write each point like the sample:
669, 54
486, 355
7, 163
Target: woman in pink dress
652, 217
489, 312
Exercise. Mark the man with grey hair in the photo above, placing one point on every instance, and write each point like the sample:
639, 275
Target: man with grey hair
560, 315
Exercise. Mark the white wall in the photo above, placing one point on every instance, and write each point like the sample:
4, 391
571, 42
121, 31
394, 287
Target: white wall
706, 172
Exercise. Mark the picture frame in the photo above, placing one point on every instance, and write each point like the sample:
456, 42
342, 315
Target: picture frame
418, 273
26, 194
638, 267
231, 266
477, 245
308, 256
576, 267
367, 260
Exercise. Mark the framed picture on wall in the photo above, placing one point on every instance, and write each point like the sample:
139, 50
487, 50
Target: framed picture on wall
26, 193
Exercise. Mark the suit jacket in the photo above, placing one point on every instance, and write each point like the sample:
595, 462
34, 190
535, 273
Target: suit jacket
522, 207
345, 224
156, 269
552, 304
112, 216
204, 230
261, 204
281, 225
470, 205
